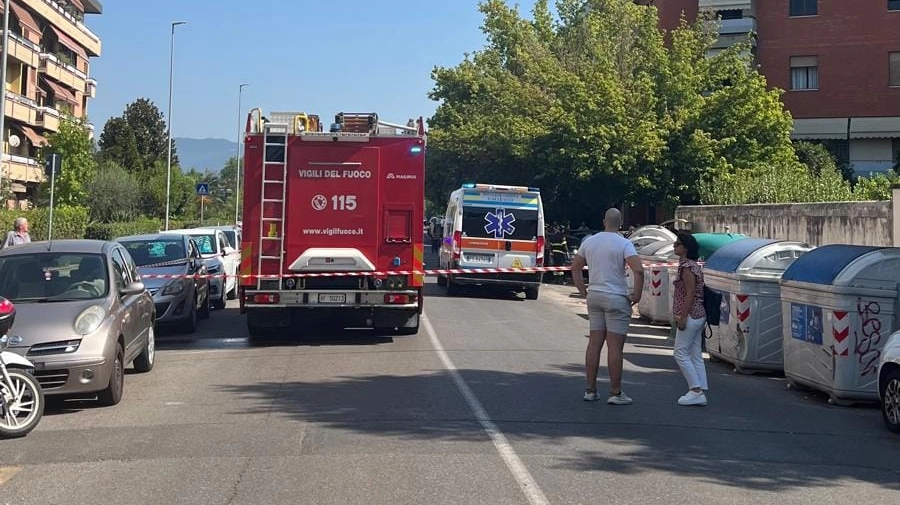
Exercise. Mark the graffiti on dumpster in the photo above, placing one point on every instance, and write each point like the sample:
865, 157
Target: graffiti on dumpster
806, 323
867, 350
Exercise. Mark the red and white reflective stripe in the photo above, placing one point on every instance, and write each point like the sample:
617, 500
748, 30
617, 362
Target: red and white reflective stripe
455, 271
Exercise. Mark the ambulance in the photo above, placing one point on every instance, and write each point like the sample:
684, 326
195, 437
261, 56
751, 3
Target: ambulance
489, 226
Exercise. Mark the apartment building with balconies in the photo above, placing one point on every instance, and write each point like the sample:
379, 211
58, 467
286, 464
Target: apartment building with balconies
47, 80
838, 62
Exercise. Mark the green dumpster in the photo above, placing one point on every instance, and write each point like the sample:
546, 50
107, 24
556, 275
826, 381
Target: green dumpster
711, 242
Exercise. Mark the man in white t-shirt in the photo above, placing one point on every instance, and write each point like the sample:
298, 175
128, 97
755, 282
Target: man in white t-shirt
608, 300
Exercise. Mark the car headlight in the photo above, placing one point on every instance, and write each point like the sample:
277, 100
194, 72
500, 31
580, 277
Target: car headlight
90, 319
174, 288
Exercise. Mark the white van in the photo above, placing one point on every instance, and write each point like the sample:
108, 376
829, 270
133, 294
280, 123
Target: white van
493, 226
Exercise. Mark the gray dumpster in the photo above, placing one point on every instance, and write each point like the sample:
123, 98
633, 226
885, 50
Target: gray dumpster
746, 273
655, 303
839, 304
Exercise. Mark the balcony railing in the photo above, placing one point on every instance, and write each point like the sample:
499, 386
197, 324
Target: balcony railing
724, 5
65, 66
737, 26
22, 168
22, 40
71, 18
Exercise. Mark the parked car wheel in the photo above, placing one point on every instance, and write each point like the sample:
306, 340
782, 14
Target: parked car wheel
112, 395
890, 400
219, 304
145, 360
204, 310
190, 324
232, 295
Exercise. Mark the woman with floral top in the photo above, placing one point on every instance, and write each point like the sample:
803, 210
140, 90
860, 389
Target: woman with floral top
690, 317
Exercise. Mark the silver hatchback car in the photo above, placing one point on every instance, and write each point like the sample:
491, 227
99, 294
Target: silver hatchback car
82, 313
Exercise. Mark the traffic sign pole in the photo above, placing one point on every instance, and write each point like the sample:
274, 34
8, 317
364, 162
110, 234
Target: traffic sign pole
54, 160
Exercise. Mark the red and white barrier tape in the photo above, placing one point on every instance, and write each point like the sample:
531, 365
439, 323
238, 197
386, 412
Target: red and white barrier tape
455, 271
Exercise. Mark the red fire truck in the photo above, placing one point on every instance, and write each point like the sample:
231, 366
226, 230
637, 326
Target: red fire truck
331, 221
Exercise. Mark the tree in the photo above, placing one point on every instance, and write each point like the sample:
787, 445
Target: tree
146, 121
76, 148
119, 144
596, 109
113, 192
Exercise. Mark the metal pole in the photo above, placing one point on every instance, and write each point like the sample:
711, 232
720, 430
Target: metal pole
52, 185
3, 97
237, 176
202, 201
169, 121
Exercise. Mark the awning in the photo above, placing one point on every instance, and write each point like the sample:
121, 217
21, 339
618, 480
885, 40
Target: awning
820, 128
69, 42
875, 127
37, 140
25, 17
61, 92
78, 5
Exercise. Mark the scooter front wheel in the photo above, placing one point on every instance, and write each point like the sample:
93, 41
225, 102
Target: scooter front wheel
21, 404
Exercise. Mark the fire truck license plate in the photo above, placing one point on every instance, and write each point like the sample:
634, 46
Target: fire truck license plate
332, 298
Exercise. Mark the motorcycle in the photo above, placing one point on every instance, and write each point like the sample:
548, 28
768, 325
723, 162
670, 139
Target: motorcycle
21, 396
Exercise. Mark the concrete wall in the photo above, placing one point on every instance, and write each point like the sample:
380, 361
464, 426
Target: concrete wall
860, 223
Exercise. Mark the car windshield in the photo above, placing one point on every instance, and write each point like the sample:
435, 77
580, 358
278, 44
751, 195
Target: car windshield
206, 243
154, 252
53, 276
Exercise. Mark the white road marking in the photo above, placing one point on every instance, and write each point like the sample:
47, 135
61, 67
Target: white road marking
526, 482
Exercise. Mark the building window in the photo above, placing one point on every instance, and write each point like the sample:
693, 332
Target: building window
804, 72
730, 14
895, 69
804, 7
894, 5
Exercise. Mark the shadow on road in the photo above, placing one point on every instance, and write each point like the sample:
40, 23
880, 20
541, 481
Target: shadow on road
742, 439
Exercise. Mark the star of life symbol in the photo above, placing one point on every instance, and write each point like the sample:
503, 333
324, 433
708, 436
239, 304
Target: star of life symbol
319, 202
499, 223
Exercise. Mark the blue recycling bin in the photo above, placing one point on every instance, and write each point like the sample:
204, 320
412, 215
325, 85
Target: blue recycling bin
746, 273
839, 304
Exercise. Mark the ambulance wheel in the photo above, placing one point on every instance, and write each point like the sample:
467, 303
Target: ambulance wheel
452, 287
441, 280
532, 293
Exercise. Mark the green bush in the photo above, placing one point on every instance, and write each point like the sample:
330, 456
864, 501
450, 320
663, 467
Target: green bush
68, 222
110, 231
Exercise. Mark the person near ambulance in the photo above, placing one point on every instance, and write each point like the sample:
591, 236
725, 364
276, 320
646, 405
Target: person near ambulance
609, 303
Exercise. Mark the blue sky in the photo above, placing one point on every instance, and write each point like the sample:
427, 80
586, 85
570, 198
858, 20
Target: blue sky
320, 57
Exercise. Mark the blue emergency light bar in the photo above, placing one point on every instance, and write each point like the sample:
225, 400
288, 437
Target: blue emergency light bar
492, 187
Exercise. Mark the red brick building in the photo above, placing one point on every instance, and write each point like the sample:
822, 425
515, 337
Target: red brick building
837, 60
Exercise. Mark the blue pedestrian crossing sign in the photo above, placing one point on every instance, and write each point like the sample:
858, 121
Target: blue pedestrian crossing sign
203, 189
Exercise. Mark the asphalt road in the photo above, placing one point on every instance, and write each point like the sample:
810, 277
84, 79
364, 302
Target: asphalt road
482, 407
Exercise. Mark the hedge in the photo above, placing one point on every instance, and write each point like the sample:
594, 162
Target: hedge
68, 222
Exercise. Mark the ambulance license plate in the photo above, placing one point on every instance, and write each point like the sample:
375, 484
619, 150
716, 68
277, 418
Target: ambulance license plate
332, 298
480, 258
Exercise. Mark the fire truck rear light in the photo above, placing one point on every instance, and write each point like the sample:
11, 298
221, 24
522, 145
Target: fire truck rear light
266, 298
396, 299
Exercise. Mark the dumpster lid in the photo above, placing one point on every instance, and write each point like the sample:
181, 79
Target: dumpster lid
730, 256
711, 242
823, 264
655, 247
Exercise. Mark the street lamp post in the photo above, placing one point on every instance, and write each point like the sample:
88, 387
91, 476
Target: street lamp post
237, 176
169, 124
3, 94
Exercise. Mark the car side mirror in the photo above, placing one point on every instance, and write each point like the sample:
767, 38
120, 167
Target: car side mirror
134, 288
198, 264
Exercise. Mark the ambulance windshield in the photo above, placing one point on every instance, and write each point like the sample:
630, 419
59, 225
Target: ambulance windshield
500, 223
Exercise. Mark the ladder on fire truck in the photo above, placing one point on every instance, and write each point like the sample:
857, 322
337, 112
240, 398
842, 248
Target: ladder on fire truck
273, 210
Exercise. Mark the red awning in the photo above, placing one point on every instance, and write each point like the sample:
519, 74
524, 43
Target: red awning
69, 42
77, 4
37, 140
25, 17
61, 92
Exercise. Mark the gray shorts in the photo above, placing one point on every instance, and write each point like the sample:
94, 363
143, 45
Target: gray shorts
609, 312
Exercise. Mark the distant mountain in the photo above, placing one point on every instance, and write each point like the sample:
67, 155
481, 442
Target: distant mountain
203, 154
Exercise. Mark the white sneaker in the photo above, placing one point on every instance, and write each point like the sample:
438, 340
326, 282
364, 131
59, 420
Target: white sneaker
591, 396
693, 398
619, 399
